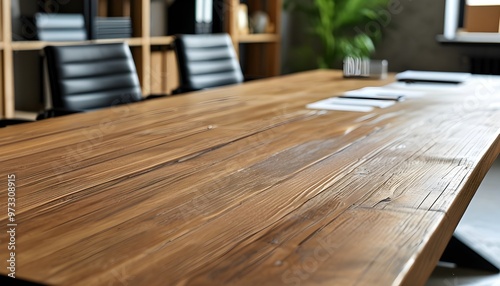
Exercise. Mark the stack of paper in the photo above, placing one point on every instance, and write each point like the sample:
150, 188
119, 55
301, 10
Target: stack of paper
383, 93
60, 27
365, 99
350, 104
112, 27
411, 84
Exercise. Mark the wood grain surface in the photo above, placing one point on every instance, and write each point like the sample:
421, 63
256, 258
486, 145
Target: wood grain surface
245, 186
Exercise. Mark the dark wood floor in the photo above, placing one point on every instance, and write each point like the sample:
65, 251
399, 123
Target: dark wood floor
481, 225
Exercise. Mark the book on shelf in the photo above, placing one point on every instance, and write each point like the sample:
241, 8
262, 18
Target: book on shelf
101, 26
194, 17
125, 29
112, 27
113, 35
61, 35
101, 34
17, 22
113, 20
56, 21
106, 32
60, 27
90, 12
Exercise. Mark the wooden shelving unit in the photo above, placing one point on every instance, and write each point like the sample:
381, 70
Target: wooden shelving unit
7, 104
167, 40
262, 52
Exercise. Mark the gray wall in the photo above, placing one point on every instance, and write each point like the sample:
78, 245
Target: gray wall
409, 40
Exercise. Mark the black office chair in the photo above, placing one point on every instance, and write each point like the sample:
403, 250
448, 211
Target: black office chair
8, 122
206, 61
89, 77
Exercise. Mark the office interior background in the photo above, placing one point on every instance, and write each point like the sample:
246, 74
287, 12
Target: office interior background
409, 42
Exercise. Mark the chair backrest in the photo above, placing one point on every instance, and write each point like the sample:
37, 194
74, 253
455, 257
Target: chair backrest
206, 61
87, 77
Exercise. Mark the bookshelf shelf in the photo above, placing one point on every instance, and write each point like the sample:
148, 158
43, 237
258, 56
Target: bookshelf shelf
258, 38
471, 38
262, 60
161, 41
38, 45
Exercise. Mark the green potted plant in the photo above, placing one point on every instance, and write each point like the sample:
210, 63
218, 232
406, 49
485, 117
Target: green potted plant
345, 28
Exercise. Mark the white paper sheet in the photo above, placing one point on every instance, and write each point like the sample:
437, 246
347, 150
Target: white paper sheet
325, 105
350, 104
380, 92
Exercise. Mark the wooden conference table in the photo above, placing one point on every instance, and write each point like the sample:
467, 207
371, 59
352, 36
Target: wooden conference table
245, 186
